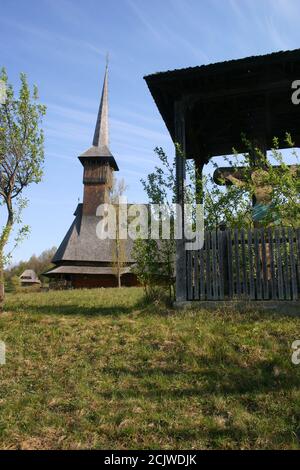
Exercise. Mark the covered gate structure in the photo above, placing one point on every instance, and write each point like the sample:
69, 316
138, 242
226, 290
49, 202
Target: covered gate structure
206, 109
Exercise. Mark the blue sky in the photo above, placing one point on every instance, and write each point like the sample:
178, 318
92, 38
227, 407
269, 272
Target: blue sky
62, 44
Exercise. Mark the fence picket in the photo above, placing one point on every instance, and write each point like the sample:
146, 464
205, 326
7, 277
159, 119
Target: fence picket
293, 265
244, 264
257, 265
264, 265
286, 271
215, 294
251, 270
272, 265
279, 266
237, 263
231, 290
221, 263
202, 274
208, 266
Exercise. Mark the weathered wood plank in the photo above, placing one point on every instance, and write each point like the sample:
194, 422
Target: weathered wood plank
202, 274
231, 289
272, 265
181, 261
196, 275
237, 263
251, 270
279, 265
215, 293
221, 263
208, 266
257, 265
190, 272
286, 270
245, 290
264, 265
294, 288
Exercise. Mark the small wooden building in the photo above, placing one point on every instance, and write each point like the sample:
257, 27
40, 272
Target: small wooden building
82, 259
29, 278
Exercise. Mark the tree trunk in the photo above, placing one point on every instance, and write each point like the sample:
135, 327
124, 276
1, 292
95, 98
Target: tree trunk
1, 283
3, 240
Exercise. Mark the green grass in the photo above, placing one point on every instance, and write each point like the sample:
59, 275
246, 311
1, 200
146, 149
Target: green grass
101, 369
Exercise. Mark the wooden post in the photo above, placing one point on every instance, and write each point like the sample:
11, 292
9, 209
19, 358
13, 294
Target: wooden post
225, 264
181, 273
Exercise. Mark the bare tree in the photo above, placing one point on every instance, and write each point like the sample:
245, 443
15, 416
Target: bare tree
119, 251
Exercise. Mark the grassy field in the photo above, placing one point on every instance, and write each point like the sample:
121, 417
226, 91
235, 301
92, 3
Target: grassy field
102, 369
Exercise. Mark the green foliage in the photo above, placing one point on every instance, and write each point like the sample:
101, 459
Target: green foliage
147, 266
21, 138
39, 264
21, 157
15, 283
154, 259
277, 183
270, 177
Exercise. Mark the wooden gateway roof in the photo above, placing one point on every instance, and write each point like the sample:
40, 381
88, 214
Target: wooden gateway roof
222, 100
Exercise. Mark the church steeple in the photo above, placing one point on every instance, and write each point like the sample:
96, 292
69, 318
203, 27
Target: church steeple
100, 145
101, 130
98, 162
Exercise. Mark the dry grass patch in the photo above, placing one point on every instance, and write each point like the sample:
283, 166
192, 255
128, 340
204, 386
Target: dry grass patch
101, 369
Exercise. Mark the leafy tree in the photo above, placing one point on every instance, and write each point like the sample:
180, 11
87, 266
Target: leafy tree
147, 265
268, 180
154, 259
21, 158
229, 206
15, 283
39, 264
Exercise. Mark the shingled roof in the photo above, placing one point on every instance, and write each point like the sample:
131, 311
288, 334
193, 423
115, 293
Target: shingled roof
222, 100
29, 276
81, 243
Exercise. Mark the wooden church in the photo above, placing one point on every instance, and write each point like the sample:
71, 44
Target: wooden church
82, 259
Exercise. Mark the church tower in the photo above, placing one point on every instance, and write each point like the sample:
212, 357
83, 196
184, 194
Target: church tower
98, 162
83, 260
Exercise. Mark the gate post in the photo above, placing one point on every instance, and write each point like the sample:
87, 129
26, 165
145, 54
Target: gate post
181, 269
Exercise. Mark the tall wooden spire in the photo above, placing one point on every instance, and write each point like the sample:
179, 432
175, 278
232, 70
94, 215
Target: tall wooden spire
98, 161
101, 135
100, 145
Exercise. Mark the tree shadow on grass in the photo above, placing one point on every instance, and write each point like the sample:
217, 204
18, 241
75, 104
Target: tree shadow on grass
234, 380
76, 309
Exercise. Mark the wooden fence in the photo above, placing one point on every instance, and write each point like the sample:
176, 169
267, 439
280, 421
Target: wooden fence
260, 264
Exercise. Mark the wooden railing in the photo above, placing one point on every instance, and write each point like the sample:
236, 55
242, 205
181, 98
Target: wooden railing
260, 264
